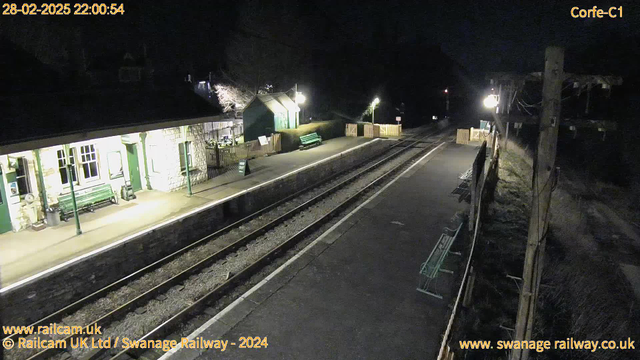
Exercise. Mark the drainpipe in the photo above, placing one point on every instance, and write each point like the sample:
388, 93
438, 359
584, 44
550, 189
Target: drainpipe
73, 193
186, 164
143, 138
43, 191
185, 129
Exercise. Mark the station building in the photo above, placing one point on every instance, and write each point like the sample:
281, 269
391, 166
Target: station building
268, 113
108, 137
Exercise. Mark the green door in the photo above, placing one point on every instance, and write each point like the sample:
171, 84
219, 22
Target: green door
5, 219
134, 167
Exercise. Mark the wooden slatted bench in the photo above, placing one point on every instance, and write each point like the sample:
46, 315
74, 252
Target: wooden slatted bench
86, 200
433, 266
310, 140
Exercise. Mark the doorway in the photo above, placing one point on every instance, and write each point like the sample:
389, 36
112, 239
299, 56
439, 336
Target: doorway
5, 218
134, 167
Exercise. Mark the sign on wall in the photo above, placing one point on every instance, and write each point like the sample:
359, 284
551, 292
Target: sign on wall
13, 189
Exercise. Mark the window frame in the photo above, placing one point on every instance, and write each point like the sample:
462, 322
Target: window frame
153, 151
183, 167
23, 164
74, 168
119, 174
91, 156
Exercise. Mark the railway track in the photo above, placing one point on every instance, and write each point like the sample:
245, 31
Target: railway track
217, 259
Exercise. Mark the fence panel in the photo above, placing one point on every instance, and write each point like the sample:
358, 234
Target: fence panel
486, 184
351, 130
390, 130
462, 136
231, 155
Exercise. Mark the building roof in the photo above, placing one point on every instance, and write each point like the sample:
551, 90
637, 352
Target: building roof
275, 102
34, 118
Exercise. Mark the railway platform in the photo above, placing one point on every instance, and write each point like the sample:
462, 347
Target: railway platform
351, 294
26, 254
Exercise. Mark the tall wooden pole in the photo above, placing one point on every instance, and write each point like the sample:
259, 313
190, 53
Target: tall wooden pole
543, 179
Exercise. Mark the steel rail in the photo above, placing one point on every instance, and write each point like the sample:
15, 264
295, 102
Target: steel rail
76, 305
122, 310
253, 268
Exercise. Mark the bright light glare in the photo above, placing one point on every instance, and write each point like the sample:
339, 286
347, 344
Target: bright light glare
491, 101
300, 99
446, 90
375, 102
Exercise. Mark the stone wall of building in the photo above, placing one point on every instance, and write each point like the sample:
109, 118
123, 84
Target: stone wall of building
163, 164
106, 174
163, 149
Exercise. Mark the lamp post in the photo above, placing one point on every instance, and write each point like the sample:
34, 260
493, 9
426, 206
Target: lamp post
446, 92
375, 102
300, 99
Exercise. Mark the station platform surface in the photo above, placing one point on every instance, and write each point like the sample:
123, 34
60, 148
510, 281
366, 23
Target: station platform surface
27, 253
351, 294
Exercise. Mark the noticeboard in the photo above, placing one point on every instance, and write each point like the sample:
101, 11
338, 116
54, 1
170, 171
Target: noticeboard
243, 167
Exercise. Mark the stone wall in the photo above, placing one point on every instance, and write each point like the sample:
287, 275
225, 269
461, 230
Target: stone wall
164, 158
30, 301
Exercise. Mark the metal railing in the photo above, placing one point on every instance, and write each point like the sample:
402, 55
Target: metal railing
478, 207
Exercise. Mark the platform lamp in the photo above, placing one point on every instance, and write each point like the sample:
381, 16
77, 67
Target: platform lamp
184, 129
375, 102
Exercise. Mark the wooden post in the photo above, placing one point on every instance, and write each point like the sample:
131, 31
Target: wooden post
543, 178
506, 137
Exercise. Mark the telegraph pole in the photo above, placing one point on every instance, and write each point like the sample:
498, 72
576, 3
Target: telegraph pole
543, 180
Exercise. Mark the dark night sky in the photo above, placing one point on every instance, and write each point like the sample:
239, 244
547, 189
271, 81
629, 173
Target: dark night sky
482, 35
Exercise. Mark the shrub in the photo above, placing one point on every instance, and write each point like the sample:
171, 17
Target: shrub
326, 129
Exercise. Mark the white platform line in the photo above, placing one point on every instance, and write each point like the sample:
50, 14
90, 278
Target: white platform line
172, 220
230, 307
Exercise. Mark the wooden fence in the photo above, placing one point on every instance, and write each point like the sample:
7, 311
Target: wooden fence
231, 155
378, 130
462, 136
483, 185
351, 130
390, 130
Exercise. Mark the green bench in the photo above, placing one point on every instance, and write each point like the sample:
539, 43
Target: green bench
310, 140
433, 266
86, 200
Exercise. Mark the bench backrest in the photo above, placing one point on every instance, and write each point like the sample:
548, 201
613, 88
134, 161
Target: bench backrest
86, 196
431, 267
309, 138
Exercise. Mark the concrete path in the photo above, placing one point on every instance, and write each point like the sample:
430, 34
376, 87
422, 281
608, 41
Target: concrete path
29, 252
352, 293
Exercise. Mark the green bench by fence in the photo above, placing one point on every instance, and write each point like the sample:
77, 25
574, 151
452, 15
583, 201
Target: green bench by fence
86, 200
433, 266
310, 140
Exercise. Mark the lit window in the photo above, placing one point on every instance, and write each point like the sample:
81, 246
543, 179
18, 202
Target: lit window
89, 162
181, 151
22, 176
